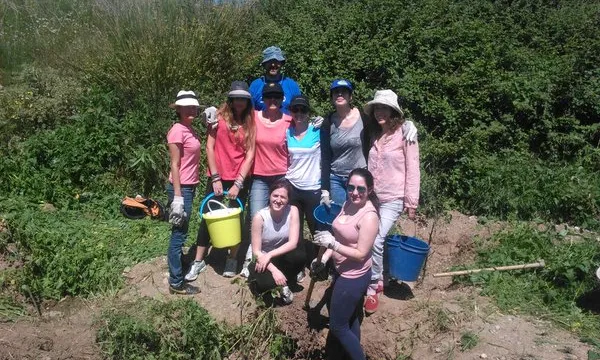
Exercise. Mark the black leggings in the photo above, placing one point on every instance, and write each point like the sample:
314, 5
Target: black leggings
290, 264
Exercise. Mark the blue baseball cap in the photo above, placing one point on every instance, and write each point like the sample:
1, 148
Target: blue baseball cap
341, 83
272, 53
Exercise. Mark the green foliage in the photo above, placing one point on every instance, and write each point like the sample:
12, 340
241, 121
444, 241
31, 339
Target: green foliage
79, 252
468, 340
550, 292
152, 329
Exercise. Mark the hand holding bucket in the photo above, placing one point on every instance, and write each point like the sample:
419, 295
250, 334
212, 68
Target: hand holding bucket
224, 225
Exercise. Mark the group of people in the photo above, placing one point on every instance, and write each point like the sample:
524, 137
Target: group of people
264, 148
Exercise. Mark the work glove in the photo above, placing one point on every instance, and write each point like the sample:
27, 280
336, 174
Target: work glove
177, 215
317, 121
410, 131
325, 239
210, 116
325, 199
318, 270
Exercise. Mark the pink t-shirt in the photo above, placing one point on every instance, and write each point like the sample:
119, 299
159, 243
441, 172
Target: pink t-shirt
230, 150
347, 234
188, 170
394, 164
271, 147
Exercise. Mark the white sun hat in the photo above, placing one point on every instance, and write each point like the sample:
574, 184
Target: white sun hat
186, 98
384, 97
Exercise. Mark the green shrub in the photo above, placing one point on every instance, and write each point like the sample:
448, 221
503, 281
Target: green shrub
550, 292
152, 329
79, 252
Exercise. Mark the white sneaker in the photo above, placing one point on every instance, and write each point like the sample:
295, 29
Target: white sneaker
300, 276
197, 268
286, 295
230, 268
245, 272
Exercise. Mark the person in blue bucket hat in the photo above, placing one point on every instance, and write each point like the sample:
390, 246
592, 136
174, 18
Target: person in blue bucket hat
273, 60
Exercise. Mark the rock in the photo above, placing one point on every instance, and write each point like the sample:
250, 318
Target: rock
438, 350
483, 356
46, 345
47, 207
497, 327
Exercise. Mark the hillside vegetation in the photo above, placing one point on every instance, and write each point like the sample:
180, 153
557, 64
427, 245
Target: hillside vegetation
506, 96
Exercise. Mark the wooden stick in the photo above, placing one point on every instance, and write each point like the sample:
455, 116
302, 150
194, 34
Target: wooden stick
538, 264
312, 281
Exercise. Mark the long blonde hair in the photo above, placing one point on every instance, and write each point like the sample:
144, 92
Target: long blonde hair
247, 119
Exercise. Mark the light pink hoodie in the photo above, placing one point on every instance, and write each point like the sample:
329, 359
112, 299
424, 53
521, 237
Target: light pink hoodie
394, 164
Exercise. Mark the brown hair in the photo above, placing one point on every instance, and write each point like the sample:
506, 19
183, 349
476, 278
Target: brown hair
246, 118
396, 120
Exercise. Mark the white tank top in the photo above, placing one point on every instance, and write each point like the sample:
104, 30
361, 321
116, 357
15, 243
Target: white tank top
274, 234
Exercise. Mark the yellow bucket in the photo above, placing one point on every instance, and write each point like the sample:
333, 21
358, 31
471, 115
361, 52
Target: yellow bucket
223, 224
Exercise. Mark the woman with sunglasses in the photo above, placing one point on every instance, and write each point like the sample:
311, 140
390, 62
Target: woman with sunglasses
394, 163
304, 167
275, 230
345, 142
354, 232
230, 154
184, 153
271, 153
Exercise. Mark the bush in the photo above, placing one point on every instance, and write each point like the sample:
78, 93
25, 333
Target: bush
551, 291
151, 329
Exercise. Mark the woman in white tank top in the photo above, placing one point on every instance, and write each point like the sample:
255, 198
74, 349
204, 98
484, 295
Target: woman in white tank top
277, 256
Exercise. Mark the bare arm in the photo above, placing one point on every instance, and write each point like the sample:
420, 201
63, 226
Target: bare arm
175, 151
210, 152
256, 235
368, 226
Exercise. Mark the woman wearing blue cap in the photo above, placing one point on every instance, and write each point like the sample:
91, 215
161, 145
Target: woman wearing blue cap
345, 142
273, 60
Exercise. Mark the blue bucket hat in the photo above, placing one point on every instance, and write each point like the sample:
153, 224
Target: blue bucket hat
341, 83
272, 53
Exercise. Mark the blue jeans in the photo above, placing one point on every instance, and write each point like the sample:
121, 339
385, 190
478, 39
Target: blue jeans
259, 198
344, 323
179, 233
337, 188
389, 213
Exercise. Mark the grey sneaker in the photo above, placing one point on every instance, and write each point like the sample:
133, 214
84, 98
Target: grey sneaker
245, 272
197, 268
286, 295
300, 276
183, 289
230, 268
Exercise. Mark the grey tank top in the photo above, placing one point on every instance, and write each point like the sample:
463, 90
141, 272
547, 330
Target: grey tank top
346, 148
275, 234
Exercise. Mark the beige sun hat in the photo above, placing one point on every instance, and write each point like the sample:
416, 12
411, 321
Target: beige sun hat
384, 97
185, 98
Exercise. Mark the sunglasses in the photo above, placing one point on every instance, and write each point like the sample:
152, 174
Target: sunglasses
300, 109
272, 97
360, 189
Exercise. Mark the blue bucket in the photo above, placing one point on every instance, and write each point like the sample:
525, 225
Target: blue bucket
406, 256
325, 215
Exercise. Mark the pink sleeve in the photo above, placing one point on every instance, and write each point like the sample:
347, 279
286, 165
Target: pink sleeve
175, 135
412, 181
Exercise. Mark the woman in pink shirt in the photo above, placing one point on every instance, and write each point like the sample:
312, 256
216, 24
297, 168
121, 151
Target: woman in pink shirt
184, 151
354, 231
271, 155
394, 163
230, 153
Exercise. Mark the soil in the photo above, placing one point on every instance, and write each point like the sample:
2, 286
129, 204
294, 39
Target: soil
423, 320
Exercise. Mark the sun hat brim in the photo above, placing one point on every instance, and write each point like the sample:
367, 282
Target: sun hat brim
369, 106
239, 94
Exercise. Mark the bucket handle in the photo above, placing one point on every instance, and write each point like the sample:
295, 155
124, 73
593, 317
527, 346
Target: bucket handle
210, 196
